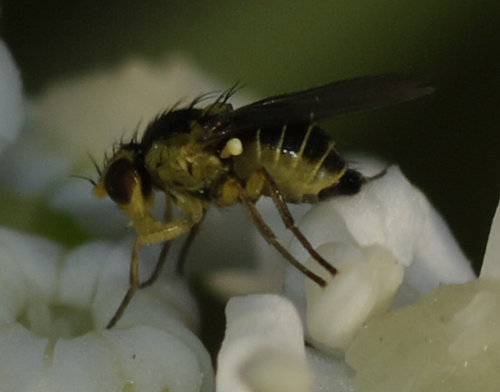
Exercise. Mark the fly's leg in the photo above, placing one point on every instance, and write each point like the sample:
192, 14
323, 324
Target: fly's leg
134, 285
270, 237
289, 222
164, 249
168, 232
181, 262
152, 231
158, 267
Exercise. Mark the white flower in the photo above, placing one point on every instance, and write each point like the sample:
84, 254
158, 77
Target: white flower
263, 348
388, 243
370, 237
449, 339
53, 309
11, 99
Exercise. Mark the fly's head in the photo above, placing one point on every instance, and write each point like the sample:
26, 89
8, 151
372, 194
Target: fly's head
125, 180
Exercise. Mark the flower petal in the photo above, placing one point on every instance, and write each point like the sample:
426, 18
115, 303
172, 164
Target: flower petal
365, 286
29, 267
83, 364
22, 363
491, 263
330, 374
158, 361
11, 99
263, 349
450, 338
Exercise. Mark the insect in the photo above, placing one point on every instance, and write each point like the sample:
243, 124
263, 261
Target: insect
222, 156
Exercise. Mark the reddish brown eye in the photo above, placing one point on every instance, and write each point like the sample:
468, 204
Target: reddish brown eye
121, 179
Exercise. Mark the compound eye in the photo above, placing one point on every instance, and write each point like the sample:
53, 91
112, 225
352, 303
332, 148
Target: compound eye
121, 180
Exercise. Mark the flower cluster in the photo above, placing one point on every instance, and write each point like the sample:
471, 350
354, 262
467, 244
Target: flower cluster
418, 321
405, 312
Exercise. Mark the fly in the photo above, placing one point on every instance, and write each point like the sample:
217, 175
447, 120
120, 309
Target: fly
222, 156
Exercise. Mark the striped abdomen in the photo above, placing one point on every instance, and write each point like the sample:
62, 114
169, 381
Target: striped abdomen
302, 160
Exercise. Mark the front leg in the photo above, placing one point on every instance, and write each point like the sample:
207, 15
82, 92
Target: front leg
150, 231
134, 285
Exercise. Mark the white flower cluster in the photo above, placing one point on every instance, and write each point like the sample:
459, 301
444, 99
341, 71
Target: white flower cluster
448, 338
53, 309
405, 312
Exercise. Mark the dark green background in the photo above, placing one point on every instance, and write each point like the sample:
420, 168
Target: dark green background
448, 145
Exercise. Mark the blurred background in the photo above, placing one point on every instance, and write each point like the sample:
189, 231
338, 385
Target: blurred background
447, 144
